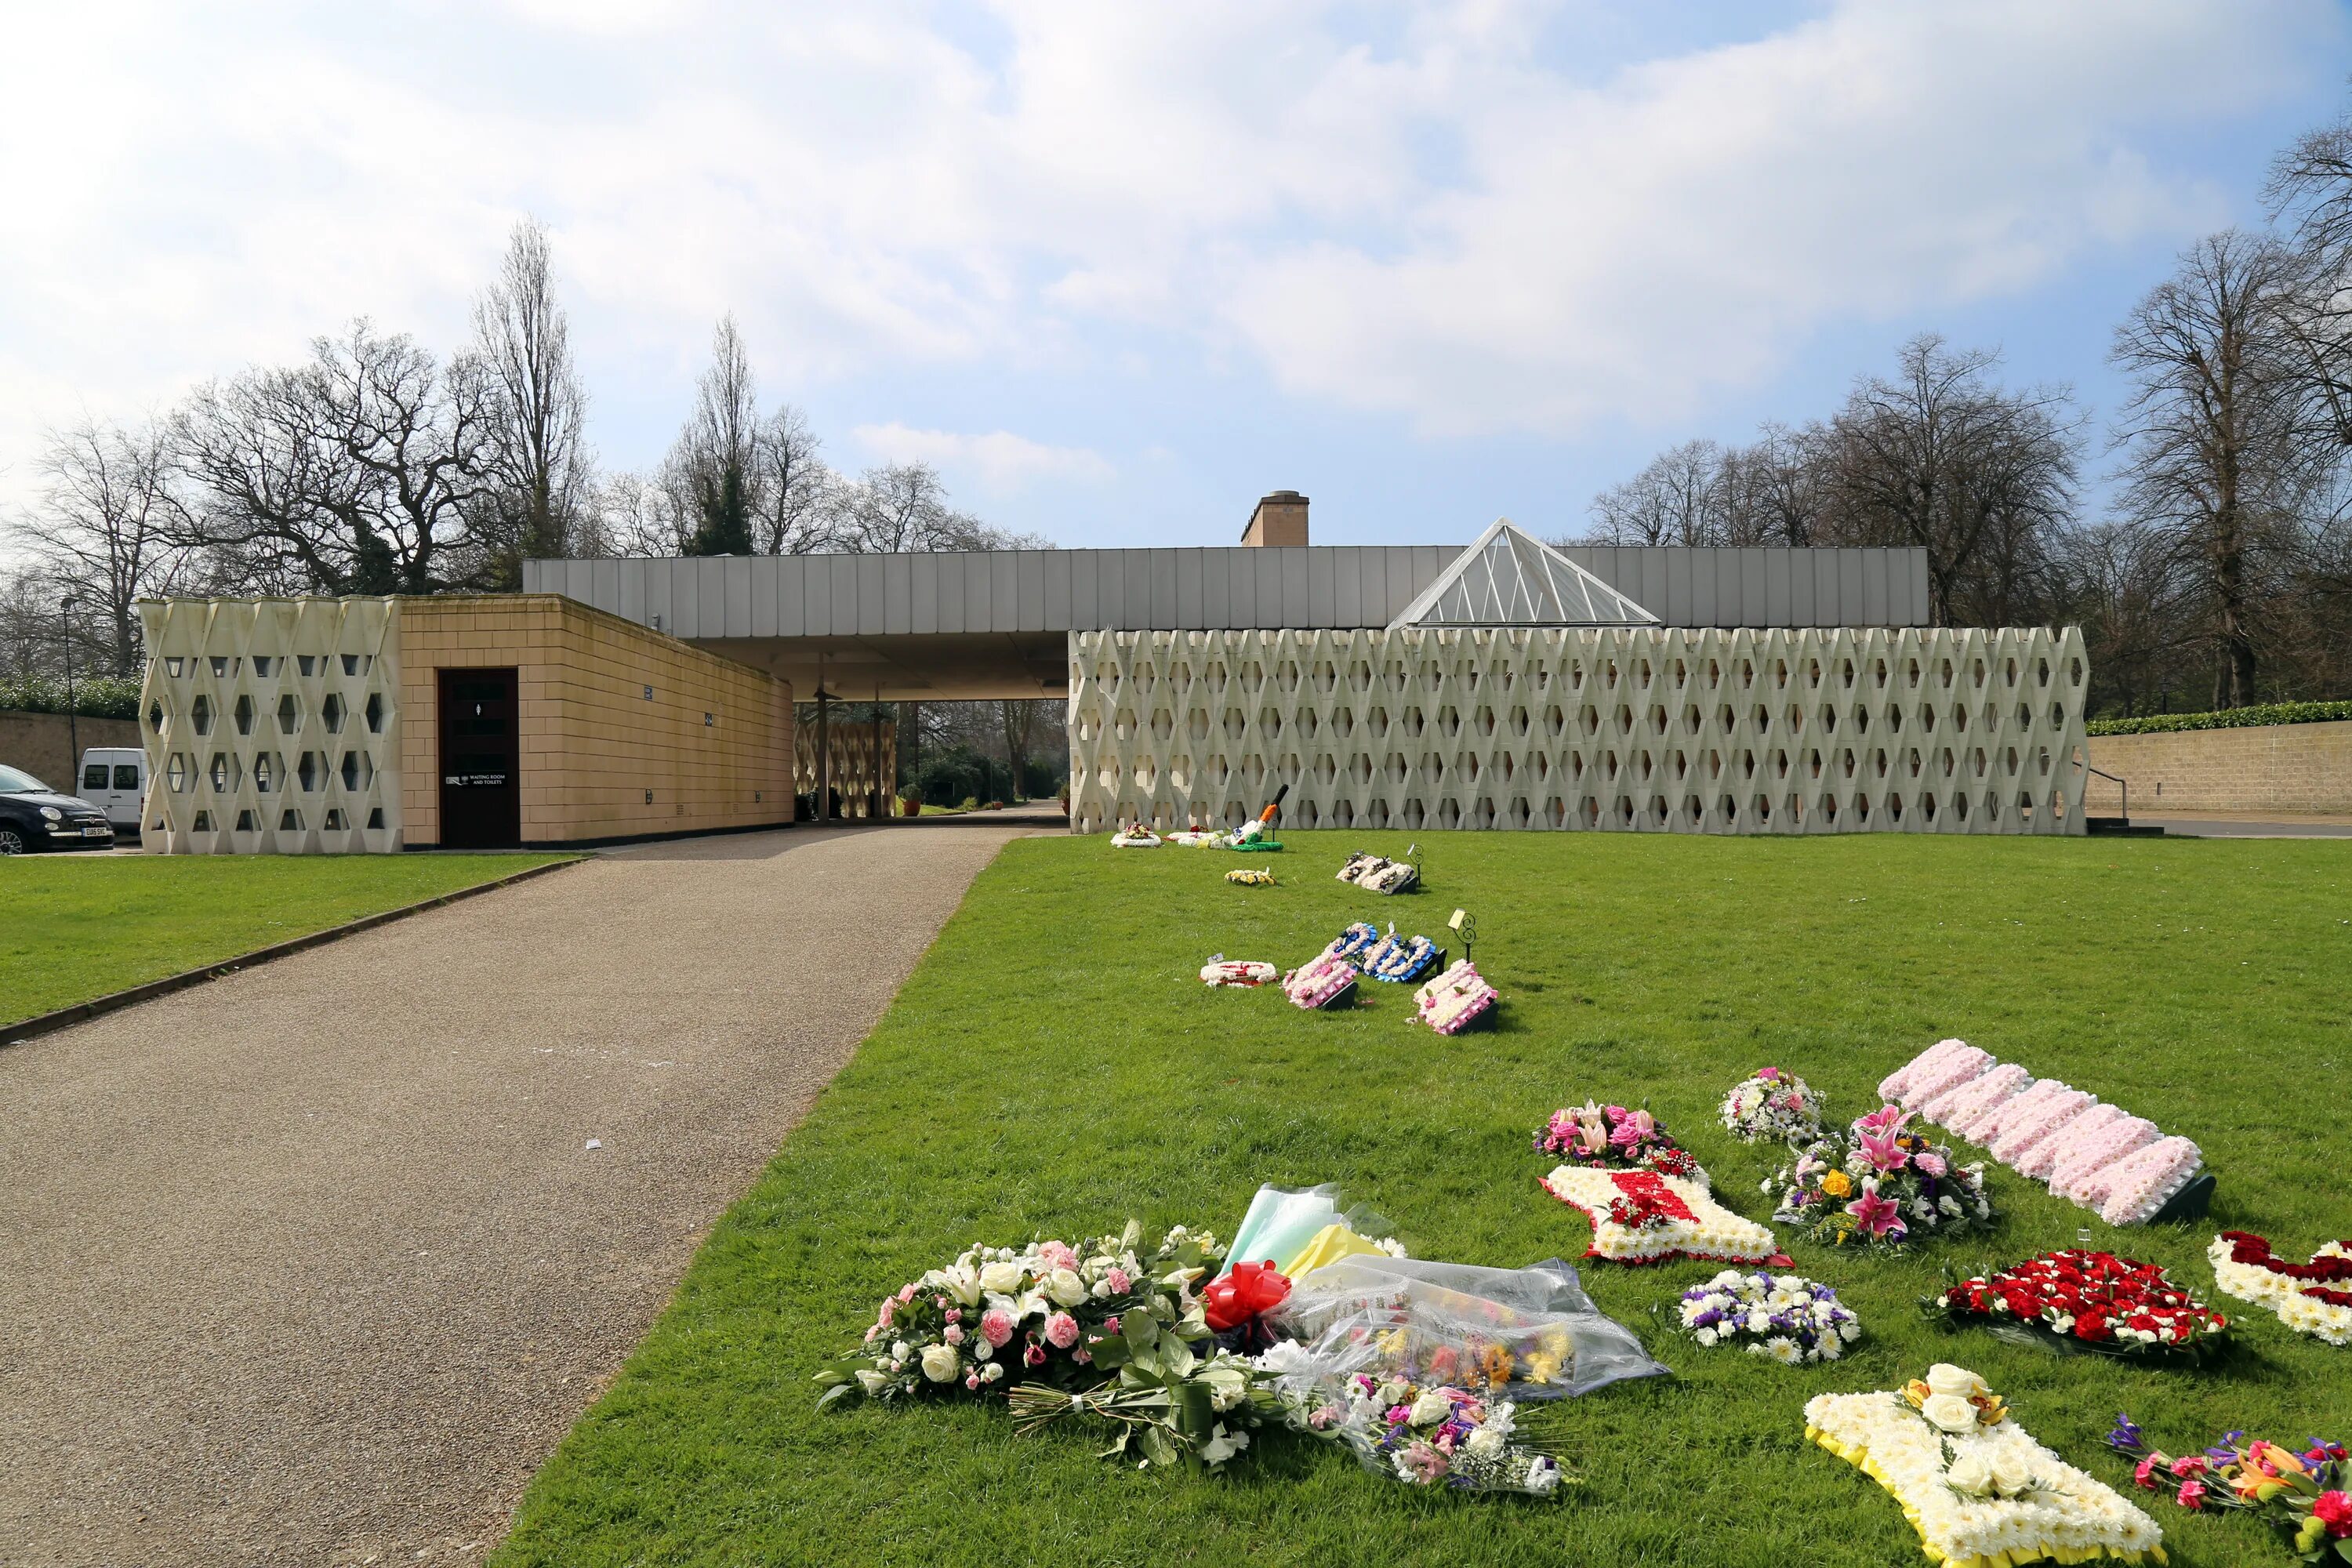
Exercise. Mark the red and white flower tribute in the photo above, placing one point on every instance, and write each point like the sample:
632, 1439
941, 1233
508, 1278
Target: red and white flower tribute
2119, 1305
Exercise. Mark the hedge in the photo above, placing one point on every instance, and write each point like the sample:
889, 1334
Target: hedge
2228, 719
103, 697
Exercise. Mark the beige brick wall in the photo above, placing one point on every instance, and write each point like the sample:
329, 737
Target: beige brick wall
591, 744
42, 744
2294, 769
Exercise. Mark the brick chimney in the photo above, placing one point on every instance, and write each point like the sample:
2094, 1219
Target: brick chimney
1280, 519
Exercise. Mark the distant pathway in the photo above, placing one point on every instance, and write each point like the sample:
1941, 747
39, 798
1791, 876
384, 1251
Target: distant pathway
313, 1265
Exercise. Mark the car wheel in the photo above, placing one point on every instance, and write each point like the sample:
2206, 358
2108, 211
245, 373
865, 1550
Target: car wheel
11, 841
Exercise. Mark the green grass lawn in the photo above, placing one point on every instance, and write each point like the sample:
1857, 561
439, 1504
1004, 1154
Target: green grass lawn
78, 926
1054, 1066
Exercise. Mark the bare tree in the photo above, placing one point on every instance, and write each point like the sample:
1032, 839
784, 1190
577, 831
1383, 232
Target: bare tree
641, 516
29, 641
1938, 456
359, 473
1785, 485
792, 490
2310, 188
538, 468
2216, 461
903, 506
1675, 500
109, 525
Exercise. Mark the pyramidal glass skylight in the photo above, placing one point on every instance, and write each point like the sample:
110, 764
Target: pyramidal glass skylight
1508, 579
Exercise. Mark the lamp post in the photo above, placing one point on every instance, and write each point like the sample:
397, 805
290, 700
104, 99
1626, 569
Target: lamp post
73, 727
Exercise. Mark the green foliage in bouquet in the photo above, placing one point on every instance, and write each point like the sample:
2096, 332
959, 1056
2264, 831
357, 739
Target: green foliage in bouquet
1067, 1317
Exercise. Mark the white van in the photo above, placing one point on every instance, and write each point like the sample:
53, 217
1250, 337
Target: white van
115, 781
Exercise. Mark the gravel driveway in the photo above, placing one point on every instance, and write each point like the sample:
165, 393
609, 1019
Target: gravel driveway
316, 1264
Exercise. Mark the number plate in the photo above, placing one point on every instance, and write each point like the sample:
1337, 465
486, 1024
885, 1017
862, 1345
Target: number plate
100, 832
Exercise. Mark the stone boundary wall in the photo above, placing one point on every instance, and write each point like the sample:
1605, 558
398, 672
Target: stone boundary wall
1643, 730
42, 744
2295, 770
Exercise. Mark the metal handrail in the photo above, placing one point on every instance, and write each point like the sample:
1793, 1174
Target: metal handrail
2124, 785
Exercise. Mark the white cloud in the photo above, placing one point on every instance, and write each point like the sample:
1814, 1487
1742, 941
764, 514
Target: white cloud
1002, 462
1632, 246
1439, 225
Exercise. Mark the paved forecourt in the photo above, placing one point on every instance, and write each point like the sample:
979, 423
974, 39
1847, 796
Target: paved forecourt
315, 1264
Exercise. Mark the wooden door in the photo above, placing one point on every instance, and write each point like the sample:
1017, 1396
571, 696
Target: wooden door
481, 791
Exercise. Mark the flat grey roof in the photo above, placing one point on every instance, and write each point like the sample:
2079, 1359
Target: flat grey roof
992, 624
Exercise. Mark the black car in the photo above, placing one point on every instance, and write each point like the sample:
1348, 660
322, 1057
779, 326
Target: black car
34, 817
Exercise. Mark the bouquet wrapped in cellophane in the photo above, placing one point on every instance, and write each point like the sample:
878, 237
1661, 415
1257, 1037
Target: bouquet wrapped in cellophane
1367, 1383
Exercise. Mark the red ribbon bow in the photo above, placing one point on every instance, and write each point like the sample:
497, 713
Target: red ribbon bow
1250, 1290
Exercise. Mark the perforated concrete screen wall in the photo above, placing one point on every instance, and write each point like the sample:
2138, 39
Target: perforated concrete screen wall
311, 725
1635, 730
271, 726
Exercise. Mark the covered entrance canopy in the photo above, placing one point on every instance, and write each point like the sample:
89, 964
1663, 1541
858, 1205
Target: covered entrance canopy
954, 628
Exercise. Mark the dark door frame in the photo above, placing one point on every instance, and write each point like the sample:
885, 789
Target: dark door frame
478, 722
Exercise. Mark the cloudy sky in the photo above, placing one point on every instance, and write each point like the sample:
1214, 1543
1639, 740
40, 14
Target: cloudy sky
1116, 269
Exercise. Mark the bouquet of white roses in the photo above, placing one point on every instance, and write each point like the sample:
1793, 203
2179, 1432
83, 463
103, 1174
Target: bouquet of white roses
1066, 1316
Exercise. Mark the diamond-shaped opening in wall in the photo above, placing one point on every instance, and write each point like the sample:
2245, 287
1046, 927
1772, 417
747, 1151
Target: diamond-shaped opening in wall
375, 712
289, 821
335, 821
1197, 726
1694, 812
331, 713
155, 719
1376, 814
1235, 725
312, 770
200, 714
223, 772
202, 824
176, 773
1163, 724
243, 714
264, 772
289, 713
244, 822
